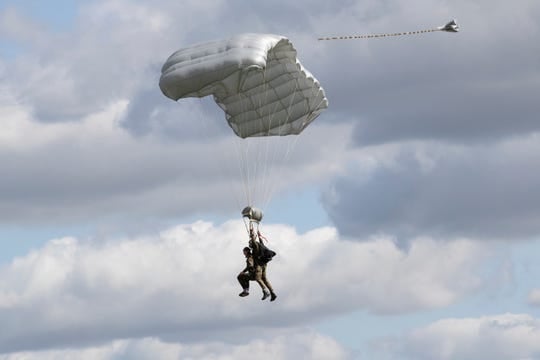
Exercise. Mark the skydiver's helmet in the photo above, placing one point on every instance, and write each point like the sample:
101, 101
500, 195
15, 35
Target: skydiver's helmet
253, 214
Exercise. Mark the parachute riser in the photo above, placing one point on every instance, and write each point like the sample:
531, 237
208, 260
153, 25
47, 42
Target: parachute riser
251, 226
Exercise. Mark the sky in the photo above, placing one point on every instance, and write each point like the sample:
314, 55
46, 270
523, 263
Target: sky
405, 217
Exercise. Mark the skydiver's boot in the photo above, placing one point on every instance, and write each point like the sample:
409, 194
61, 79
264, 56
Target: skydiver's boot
265, 295
244, 293
273, 296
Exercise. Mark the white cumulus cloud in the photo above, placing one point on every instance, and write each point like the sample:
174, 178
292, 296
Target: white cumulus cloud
298, 344
182, 281
497, 337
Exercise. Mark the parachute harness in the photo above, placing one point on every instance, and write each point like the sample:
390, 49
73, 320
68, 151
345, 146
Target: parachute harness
261, 237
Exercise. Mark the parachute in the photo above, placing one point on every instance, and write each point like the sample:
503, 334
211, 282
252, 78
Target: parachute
260, 84
255, 78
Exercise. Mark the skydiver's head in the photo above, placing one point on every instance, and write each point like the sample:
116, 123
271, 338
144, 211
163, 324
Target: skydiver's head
247, 251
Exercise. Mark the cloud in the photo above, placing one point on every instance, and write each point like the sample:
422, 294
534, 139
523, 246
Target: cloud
77, 292
534, 297
109, 53
115, 51
115, 148
111, 58
431, 137
297, 344
441, 190
506, 336
65, 172
19, 28
88, 134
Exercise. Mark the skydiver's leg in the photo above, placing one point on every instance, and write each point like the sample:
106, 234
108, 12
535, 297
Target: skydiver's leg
265, 280
273, 295
258, 279
243, 279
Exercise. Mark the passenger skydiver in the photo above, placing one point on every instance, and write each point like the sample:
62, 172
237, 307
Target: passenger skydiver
252, 272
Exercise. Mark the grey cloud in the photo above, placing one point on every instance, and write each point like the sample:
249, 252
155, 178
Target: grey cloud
487, 192
150, 112
476, 89
85, 173
103, 184
446, 86
110, 53
477, 85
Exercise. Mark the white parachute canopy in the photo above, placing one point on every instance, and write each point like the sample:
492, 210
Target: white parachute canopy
255, 78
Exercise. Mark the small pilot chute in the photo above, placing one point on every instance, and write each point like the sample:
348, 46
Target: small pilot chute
451, 26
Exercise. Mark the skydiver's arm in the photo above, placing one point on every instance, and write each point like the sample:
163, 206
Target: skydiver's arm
250, 265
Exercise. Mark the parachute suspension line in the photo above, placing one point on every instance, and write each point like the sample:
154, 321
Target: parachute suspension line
285, 156
250, 150
451, 26
253, 160
267, 155
260, 154
264, 154
292, 141
248, 224
242, 150
266, 150
232, 175
244, 169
